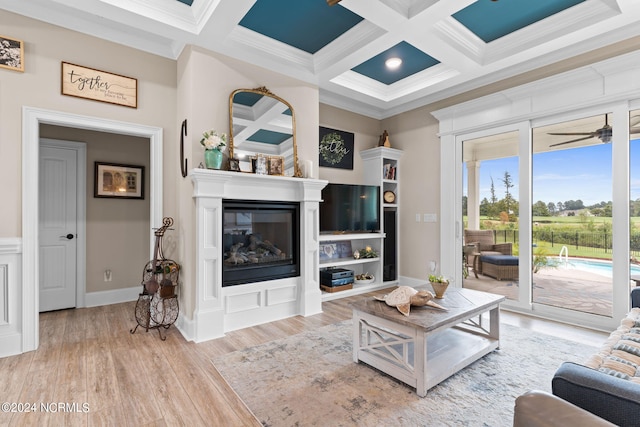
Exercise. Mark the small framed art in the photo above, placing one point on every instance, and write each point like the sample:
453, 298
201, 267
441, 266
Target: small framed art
234, 165
118, 181
276, 165
11, 53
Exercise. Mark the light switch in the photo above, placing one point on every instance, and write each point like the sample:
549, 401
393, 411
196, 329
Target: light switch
417, 217
430, 217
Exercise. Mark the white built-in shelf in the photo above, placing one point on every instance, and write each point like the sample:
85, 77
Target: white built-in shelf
357, 290
344, 236
374, 161
346, 261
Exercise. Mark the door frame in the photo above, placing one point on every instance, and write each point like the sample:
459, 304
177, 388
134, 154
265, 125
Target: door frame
81, 211
32, 118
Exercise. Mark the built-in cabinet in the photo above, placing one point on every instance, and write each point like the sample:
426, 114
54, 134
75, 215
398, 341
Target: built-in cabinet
380, 167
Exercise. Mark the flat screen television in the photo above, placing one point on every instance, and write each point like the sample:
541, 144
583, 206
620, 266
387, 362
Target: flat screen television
350, 208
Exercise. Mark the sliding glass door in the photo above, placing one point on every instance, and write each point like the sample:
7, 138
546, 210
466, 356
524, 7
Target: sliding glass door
490, 209
572, 215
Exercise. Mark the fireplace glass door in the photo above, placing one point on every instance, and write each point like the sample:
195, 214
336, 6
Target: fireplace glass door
260, 241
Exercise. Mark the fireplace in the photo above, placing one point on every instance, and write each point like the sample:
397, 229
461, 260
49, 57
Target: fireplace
260, 241
219, 309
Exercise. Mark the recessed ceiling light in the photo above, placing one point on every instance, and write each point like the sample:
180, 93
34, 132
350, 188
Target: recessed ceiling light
393, 63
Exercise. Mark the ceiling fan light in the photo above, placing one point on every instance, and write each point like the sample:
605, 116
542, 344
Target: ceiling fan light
393, 63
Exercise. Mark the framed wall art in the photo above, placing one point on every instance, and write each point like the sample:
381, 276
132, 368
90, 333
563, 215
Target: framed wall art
88, 83
118, 181
234, 165
336, 149
11, 54
276, 165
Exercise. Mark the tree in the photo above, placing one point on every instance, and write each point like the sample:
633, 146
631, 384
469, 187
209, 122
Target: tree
493, 210
560, 206
539, 208
485, 207
508, 184
551, 207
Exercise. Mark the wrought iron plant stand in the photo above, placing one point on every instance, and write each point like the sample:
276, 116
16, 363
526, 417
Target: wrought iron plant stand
157, 305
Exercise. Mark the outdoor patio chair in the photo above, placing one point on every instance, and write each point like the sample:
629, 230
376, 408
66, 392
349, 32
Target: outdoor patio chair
484, 239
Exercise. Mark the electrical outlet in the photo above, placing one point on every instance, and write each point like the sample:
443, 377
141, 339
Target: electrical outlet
107, 275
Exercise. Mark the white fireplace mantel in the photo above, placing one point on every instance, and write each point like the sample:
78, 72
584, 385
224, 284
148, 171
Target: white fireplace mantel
219, 310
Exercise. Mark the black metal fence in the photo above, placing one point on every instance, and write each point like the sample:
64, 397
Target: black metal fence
599, 242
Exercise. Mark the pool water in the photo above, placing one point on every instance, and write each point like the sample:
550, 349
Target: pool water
600, 267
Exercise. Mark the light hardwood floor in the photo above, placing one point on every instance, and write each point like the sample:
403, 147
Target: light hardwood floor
88, 357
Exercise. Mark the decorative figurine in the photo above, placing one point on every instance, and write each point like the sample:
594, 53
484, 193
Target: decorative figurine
403, 297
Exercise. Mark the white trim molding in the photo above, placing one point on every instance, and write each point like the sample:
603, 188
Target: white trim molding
10, 275
32, 118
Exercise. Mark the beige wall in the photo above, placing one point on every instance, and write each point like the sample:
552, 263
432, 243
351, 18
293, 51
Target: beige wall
414, 133
366, 132
117, 229
46, 46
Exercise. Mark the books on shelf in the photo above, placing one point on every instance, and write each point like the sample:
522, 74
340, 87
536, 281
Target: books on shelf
389, 171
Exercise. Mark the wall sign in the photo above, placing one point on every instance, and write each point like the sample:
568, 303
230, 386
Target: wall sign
83, 82
336, 149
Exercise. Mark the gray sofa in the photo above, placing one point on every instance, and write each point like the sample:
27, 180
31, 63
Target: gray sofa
542, 409
607, 385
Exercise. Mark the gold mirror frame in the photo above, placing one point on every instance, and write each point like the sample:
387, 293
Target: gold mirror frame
293, 162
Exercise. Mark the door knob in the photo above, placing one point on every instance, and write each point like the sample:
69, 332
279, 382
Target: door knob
68, 236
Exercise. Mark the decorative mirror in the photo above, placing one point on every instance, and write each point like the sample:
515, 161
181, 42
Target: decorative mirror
262, 124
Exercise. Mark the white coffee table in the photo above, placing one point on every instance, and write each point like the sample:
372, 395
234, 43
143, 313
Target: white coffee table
429, 345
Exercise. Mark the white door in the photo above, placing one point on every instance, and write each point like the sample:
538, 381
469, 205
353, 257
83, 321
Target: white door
58, 227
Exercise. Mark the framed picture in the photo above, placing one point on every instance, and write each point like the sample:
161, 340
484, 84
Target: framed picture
118, 181
259, 165
11, 54
336, 250
234, 165
84, 82
276, 165
335, 149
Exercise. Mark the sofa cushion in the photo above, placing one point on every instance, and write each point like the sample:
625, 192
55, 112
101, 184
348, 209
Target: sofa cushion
620, 354
500, 259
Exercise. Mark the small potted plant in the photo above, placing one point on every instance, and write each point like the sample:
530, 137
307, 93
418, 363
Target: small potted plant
213, 143
439, 284
367, 252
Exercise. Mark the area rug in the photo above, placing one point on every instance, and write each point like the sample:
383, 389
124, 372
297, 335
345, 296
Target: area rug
310, 379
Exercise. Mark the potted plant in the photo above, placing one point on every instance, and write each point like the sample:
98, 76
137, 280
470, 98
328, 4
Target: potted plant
213, 143
439, 284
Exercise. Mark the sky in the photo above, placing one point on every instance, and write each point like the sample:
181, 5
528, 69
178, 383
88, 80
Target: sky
578, 173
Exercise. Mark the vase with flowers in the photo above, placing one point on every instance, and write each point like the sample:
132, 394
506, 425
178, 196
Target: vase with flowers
213, 143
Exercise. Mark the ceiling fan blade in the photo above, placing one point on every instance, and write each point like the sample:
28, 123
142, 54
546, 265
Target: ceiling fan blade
634, 130
332, 2
569, 142
634, 120
571, 133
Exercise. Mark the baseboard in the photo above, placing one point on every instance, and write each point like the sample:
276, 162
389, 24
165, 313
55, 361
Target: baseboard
114, 296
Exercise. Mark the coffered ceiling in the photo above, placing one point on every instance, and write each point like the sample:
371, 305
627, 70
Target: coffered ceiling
447, 47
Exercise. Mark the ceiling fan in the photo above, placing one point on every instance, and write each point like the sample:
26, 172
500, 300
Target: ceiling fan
332, 2
604, 133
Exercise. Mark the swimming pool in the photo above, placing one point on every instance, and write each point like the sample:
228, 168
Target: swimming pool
600, 267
